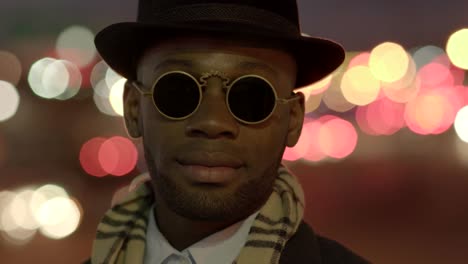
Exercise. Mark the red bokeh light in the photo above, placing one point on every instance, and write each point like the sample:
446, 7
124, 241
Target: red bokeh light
118, 156
89, 157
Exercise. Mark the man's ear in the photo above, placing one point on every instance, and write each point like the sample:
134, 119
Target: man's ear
131, 100
296, 120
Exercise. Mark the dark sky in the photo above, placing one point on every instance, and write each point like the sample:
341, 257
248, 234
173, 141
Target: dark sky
358, 25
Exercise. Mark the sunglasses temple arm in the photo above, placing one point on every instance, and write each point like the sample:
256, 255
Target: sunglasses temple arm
285, 101
137, 86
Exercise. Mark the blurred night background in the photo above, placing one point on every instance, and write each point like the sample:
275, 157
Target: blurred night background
383, 157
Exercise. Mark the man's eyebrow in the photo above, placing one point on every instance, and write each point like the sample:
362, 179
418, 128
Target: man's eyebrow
173, 62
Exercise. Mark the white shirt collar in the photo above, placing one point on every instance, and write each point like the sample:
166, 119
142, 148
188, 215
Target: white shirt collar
218, 248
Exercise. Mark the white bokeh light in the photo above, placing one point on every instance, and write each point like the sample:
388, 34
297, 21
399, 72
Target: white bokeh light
115, 96
74, 81
101, 98
6, 222
59, 217
76, 44
21, 212
9, 100
461, 124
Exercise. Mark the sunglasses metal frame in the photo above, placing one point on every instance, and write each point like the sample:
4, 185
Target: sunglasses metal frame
226, 86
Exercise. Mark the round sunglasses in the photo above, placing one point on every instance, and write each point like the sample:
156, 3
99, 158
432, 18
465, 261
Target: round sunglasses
177, 95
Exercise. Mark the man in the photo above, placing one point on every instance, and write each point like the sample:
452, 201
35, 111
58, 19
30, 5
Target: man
210, 94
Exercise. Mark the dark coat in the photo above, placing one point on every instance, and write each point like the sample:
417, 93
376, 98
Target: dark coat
307, 247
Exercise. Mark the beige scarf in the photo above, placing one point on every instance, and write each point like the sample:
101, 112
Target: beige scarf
121, 235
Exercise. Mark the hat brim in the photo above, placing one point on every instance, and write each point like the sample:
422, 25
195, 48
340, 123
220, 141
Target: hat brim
121, 45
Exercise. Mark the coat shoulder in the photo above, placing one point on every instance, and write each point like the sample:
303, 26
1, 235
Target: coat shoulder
307, 247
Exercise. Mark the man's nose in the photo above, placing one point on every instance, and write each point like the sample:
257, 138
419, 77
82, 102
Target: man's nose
213, 119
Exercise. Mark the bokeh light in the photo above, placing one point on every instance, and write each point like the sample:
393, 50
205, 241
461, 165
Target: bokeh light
59, 217
6, 221
359, 86
337, 137
76, 44
21, 212
10, 67
431, 112
328, 136
74, 81
115, 156
47, 208
362, 59
98, 73
426, 55
461, 124
382, 117
50, 78
118, 156
9, 100
388, 62
457, 48
108, 89
434, 74
89, 157
116, 96
314, 152
101, 98
401, 93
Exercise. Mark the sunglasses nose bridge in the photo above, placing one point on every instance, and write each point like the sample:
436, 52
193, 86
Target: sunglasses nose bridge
212, 118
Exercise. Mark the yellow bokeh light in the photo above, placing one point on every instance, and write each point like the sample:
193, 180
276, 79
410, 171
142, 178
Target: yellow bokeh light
461, 124
76, 44
389, 62
9, 101
116, 96
457, 48
359, 86
59, 217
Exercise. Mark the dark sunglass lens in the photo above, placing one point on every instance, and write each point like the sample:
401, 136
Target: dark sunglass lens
251, 99
176, 95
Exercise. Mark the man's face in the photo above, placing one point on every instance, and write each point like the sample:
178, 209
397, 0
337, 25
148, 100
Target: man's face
210, 166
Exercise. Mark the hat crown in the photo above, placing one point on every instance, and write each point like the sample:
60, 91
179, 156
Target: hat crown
282, 12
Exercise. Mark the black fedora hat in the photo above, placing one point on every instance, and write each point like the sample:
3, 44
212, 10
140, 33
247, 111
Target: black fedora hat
121, 44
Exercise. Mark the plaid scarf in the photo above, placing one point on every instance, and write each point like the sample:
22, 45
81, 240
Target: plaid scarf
121, 235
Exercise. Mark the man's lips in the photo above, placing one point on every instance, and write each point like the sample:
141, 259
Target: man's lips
210, 159
210, 167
